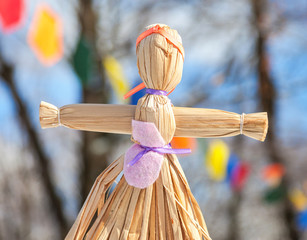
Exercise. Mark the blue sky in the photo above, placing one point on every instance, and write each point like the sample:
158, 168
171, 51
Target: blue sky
59, 85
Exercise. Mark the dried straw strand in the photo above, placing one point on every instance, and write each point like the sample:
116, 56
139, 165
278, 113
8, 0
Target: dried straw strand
146, 212
90, 206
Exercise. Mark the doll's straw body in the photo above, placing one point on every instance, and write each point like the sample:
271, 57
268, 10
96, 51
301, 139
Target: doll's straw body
165, 209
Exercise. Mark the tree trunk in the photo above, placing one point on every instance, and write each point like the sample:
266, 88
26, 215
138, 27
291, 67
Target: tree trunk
42, 160
95, 91
267, 95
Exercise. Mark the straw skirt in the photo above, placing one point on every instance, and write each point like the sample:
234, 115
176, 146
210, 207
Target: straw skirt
165, 210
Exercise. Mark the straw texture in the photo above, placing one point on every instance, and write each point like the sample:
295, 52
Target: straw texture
166, 209
189, 122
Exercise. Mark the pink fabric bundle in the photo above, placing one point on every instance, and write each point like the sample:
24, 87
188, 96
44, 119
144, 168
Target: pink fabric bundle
146, 170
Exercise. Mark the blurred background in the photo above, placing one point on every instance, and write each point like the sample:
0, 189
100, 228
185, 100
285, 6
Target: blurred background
241, 56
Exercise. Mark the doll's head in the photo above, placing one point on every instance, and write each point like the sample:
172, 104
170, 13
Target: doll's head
160, 60
160, 57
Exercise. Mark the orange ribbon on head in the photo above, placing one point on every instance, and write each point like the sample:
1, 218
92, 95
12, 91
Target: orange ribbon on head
168, 37
161, 31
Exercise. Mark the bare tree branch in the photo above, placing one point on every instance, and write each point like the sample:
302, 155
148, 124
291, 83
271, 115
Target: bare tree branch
42, 161
97, 91
268, 102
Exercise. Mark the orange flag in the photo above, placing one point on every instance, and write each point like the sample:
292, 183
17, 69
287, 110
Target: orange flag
183, 142
273, 173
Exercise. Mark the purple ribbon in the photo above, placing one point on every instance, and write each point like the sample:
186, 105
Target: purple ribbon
161, 150
156, 91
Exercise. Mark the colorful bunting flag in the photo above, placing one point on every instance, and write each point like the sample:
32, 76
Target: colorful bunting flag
45, 35
233, 163
275, 194
298, 199
216, 160
83, 61
302, 220
273, 174
11, 14
237, 172
116, 76
183, 142
222, 165
239, 176
136, 96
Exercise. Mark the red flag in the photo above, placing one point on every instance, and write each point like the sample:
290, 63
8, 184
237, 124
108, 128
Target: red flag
11, 14
240, 175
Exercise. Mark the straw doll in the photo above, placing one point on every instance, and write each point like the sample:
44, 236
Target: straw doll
152, 199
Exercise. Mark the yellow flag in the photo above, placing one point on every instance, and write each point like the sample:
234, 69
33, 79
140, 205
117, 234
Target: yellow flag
45, 35
116, 76
216, 160
298, 199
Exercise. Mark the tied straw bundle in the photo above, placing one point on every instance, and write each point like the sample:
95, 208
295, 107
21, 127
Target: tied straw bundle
190, 122
166, 209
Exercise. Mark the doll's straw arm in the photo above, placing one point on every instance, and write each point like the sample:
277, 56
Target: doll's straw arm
190, 122
89, 117
203, 122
